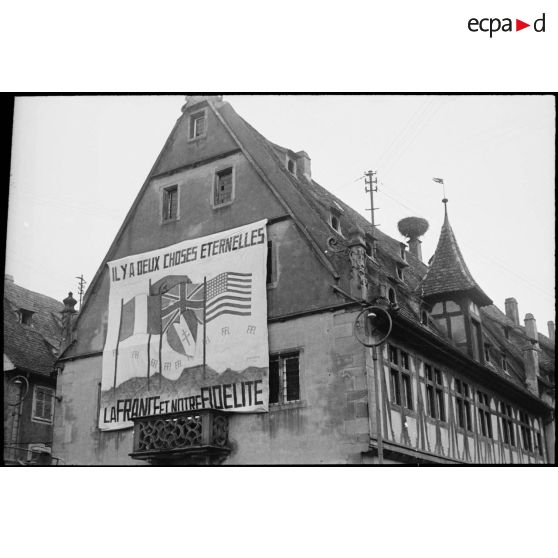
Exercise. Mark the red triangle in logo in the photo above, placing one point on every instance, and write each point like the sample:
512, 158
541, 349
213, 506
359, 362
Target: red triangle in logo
519, 25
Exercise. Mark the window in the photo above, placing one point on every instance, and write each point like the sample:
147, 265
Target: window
284, 378
525, 427
395, 387
400, 378
43, 407
391, 296
271, 268
26, 316
476, 341
170, 203
486, 353
291, 166
463, 404
334, 220
505, 364
449, 317
424, 317
399, 272
435, 406
539, 445
197, 125
507, 424
485, 417
457, 324
223, 187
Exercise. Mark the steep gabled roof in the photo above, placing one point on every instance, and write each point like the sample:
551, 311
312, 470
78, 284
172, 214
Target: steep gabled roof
31, 347
448, 273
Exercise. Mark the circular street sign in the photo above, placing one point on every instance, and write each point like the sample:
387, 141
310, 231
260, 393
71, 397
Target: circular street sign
372, 326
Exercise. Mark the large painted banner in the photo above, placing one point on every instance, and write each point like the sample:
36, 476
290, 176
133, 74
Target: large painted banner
187, 329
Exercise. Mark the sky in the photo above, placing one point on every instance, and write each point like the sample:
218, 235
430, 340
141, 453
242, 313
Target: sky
79, 162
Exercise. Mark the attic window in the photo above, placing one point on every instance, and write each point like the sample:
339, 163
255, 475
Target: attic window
505, 364
223, 193
402, 253
170, 203
291, 166
391, 296
197, 125
424, 317
399, 272
26, 316
334, 220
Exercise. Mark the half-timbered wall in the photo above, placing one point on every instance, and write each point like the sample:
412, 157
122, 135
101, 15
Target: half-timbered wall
441, 414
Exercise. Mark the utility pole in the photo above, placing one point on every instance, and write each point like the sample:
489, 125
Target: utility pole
371, 186
81, 285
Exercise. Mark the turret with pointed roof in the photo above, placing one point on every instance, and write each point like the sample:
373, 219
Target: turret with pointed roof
448, 273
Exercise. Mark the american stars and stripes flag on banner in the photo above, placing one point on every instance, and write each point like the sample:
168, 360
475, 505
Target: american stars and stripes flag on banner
175, 299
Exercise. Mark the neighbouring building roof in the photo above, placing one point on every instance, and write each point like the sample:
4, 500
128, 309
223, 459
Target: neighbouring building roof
448, 273
31, 347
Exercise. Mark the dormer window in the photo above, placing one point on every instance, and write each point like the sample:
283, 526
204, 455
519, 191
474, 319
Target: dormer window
26, 316
291, 165
391, 296
399, 272
424, 317
334, 220
486, 353
449, 318
198, 125
505, 367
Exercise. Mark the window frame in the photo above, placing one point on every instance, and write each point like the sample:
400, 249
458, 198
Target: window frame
220, 170
164, 190
463, 404
434, 393
192, 119
26, 317
272, 274
34, 416
485, 415
283, 382
507, 422
401, 378
527, 441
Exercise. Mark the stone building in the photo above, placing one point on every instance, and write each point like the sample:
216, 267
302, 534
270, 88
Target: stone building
33, 334
455, 381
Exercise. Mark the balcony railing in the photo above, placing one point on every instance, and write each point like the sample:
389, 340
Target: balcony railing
197, 437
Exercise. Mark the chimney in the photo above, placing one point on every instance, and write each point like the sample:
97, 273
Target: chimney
531, 360
531, 327
412, 228
511, 310
303, 164
414, 247
551, 331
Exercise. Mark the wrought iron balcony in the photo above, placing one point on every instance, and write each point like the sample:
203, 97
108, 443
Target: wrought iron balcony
196, 437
